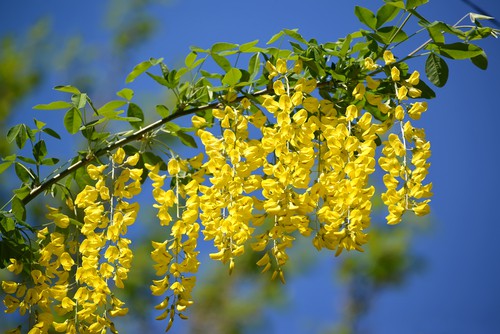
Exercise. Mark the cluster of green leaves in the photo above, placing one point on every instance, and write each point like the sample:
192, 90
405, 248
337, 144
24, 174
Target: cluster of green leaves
436, 68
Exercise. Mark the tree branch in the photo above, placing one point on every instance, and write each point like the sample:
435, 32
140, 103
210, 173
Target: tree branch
119, 143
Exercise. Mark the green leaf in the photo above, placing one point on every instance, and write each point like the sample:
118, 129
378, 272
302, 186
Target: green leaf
459, 50
126, 93
5, 165
7, 224
20, 133
480, 33
161, 80
275, 37
171, 81
397, 4
232, 77
39, 124
81, 177
198, 49
141, 68
436, 34
427, 92
79, 100
190, 58
172, 128
187, 139
389, 35
248, 47
49, 161
222, 62
410, 4
51, 133
480, 61
366, 17
386, 13
22, 192
11, 157
67, 89
162, 111
14, 132
110, 107
346, 45
295, 35
27, 160
18, 209
73, 120
135, 111
222, 46
24, 173
437, 28
254, 65
53, 105
39, 150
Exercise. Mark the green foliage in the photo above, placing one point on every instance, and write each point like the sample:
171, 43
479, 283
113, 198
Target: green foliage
436, 70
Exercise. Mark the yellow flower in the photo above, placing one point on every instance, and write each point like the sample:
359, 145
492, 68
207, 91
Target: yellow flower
279, 88
311, 104
119, 155
15, 266
365, 121
371, 83
414, 78
9, 287
395, 74
383, 107
305, 86
369, 64
60, 327
351, 112
399, 113
66, 261
86, 197
297, 67
133, 160
245, 103
401, 93
422, 209
281, 66
359, 91
61, 220
388, 57
300, 117
414, 92
271, 69
373, 99
118, 312
95, 172
173, 166
417, 109
11, 303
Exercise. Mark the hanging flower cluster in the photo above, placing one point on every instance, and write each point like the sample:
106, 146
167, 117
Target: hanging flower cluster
309, 171
78, 260
176, 256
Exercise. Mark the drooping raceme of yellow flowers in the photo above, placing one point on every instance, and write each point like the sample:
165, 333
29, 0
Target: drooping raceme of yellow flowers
289, 163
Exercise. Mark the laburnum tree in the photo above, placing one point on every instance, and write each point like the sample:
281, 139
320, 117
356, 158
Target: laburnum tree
289, 139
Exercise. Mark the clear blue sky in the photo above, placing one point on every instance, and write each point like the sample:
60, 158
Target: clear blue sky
458, 292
